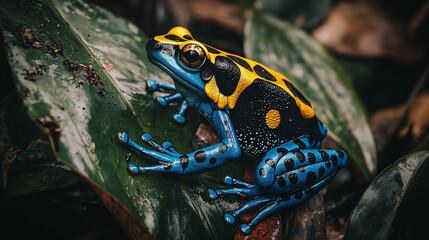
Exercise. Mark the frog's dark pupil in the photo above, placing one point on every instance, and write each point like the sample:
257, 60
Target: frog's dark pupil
192, 56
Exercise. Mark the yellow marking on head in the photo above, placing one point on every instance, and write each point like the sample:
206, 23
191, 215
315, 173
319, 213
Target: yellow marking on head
272, 119
180, 31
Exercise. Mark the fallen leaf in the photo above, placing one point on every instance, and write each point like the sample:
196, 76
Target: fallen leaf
361, 29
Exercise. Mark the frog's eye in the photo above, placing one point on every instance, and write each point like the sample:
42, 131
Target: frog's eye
192, 56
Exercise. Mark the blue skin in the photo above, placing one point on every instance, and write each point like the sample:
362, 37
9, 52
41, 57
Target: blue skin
279, 183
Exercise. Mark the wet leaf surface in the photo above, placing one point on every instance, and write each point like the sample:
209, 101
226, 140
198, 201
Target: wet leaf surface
397, 195
287, 49
159, 205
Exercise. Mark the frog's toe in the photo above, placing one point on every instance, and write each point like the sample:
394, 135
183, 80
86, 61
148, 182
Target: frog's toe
133, 169
229, 218
162, 101
228, 180
146, 137
167, 145
211, 194
122, 137
245, 229
179, 118
151, 85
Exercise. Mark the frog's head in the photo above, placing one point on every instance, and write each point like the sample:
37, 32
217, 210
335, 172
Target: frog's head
182, 57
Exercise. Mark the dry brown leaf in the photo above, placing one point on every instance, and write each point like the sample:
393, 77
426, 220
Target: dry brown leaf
360, 29
417, 120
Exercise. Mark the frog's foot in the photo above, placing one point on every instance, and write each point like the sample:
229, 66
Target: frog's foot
272, 203
179, 117
165, 153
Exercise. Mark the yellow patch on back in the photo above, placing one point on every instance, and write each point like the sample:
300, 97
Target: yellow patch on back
272, 119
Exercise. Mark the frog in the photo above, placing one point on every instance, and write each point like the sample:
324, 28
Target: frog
258, 114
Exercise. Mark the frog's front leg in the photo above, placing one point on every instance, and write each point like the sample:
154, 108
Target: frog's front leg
179, 116
199, 161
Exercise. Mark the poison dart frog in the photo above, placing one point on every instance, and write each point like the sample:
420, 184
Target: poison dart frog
256, 112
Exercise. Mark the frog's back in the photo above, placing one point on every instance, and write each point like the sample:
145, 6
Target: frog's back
266, 116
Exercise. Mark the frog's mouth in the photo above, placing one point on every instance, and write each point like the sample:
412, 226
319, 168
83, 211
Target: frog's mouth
173, 75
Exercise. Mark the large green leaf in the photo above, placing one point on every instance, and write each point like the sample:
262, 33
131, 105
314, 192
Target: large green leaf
42, 34
401, 189
287, 49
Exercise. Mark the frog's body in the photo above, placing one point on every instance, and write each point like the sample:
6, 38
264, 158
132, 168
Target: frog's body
256, 111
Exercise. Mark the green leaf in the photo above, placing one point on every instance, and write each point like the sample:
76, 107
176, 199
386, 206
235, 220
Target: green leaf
83, 124
393, 189
288, 50
307, 13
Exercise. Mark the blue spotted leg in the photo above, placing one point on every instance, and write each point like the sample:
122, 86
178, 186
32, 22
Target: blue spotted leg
286, 176
179, 116
199, 161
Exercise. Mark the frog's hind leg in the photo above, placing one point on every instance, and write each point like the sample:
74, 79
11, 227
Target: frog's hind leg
298, 169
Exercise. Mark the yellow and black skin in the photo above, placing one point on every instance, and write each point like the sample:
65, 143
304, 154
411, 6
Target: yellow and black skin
255, 111
264, 106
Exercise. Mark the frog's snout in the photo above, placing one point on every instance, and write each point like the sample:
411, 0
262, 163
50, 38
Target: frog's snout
150, 47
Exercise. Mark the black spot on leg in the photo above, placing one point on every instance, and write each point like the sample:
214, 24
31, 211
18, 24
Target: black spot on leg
311, 177
340, 153
300, 143
212, 160
286, 198
328, 164
334, 160
270, 162
311, 141
184, 161
281, 181
298, 195
321, 171
281, 152
167, 166
223, 148
200, 156
262, 172
263, 73
289, 164
324, 155
293, 177
311, 158
299, 155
